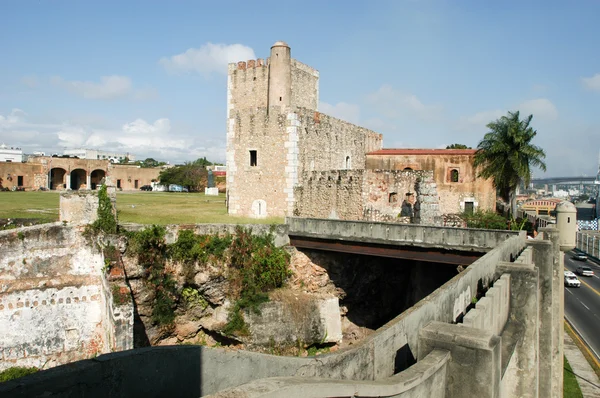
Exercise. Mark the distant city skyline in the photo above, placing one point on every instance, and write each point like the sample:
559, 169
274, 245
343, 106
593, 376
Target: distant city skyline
149, 78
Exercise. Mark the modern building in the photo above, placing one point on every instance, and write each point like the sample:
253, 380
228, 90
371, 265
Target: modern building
10, 154
115, 157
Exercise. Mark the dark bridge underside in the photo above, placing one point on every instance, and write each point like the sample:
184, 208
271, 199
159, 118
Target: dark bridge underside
393, 251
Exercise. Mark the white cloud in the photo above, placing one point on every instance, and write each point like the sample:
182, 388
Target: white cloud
207, 59
109, 88
591, 83
542, 109
397, 104
30, 81
142, 138
341, 110
16, 116
479, 120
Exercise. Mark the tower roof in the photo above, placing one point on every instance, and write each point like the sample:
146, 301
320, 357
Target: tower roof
280, 44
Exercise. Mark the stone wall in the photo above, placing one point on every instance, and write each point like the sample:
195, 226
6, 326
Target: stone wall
130, 177
257, 164
247, 85
452, 194
305, 85
335, 194
33, 175
89, 173
81, 207
52, 299
370, 195
328, 143
385, 190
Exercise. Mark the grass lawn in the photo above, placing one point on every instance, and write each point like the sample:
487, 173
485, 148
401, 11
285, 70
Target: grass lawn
570, 386
135, 207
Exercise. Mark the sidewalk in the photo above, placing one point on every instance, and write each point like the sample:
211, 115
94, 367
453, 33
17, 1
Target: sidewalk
586, 377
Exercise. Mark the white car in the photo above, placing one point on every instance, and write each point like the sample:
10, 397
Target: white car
569, 273
585, 271
572, 281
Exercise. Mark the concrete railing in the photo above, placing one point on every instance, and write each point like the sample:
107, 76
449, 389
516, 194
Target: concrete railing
426, 378
491, 311
589, 243
463, 239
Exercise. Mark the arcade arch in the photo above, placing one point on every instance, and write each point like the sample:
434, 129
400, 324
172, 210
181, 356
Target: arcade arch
96, 177
57, 178
78, 178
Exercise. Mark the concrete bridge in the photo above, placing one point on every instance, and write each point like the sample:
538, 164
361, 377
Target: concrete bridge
460, 246
583, 180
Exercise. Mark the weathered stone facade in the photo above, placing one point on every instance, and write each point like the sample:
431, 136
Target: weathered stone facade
370, 195
285, 158
73, 173
56, 305
456, 179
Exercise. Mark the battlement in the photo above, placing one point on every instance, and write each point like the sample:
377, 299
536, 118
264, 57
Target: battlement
260, 62
250, 64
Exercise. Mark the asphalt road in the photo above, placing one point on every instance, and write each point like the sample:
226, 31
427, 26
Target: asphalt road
582, 305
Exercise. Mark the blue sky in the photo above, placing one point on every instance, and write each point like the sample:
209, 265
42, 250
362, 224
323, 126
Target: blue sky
149, 77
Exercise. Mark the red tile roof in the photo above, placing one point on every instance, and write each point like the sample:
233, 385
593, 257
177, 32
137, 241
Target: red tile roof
417, 151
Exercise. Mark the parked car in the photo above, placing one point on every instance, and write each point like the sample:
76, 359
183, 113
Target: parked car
585, 271
176, 188
146, 188
580, 257
572, 281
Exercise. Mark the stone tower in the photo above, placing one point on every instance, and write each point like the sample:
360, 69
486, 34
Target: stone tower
275, 134
262, 138
280, 75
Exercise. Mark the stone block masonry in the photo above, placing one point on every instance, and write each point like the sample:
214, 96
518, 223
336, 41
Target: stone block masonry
54, 299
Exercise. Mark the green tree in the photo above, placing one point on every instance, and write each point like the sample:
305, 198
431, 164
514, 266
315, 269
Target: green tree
190, 175
149, 162
506, 155
458, 146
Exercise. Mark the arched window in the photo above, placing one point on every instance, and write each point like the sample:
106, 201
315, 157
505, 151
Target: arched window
407, 169
347, 162
453, 175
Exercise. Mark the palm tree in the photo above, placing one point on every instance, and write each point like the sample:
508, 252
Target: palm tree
506, 155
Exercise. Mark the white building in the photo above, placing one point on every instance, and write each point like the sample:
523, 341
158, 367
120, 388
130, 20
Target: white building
11, 154
116, 157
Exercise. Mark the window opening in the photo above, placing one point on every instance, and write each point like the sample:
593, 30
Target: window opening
469, 207
253, 158
118, 183
407, 169
454, 175
347, 162
393, 197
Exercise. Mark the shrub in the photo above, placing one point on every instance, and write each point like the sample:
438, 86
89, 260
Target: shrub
151, 250
485, 219
106, 222
257, 266
16, 372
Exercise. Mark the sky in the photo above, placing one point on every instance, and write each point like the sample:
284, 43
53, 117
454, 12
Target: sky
150, 77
